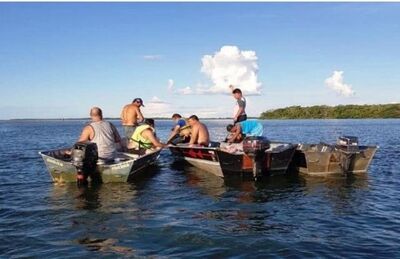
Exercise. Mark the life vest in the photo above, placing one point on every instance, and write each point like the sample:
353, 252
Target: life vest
138, 138
185, 130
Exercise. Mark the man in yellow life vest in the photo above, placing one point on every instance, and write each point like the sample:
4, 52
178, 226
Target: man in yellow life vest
144, 136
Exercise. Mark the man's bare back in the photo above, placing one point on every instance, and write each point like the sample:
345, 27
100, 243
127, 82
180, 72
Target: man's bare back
130, 115
199, 133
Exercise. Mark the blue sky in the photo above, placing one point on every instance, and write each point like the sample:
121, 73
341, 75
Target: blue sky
59, 59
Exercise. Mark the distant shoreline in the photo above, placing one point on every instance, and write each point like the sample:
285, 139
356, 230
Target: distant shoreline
375, 111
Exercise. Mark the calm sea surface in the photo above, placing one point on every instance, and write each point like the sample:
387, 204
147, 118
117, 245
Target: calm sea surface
180, 211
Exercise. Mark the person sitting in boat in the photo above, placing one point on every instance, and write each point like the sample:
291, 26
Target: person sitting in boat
180, 132
103, 133
144, 137
199, 134
131, 116
247, 128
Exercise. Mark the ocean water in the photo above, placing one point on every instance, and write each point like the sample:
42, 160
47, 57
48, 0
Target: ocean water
180, 211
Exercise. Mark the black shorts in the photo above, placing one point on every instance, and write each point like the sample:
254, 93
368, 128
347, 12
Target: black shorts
242, 117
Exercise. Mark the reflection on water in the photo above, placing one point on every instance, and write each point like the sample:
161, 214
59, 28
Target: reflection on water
181, 211
106, 197
105, 246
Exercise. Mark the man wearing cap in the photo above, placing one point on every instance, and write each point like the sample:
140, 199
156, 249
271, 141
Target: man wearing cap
131, 116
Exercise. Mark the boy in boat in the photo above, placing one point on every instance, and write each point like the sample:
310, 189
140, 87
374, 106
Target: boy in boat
246, 128
199, 135
239, 112
131, 116
103, 133
180, 132
144, 137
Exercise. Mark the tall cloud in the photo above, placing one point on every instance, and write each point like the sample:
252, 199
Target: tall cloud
228, 66
335, 82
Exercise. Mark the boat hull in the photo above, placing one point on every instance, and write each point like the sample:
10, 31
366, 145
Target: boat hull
129, 165
200, 157
223, 164
321, 159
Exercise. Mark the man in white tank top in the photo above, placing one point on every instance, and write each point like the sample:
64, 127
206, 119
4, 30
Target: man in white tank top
103, 133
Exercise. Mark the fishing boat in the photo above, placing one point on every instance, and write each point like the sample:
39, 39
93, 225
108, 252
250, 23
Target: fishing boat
255, 157
346, 156
63, 166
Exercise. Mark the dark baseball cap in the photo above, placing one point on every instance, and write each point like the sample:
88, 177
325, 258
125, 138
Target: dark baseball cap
139, 100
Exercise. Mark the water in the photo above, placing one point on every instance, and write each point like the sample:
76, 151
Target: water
179, 211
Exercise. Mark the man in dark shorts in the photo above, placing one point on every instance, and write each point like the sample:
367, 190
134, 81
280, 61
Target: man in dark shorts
131, 116
239, 112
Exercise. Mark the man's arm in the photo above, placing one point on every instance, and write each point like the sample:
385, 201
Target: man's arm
85, 135
122, 115
173, 133
235, 134
150, 136
117, 137
194, 135
139, 115
239, 112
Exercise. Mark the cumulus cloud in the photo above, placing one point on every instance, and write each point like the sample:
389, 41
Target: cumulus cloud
335, 82
228, 66
152, 57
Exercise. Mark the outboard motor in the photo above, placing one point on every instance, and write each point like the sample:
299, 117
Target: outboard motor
255, 148
348, 145
84, 157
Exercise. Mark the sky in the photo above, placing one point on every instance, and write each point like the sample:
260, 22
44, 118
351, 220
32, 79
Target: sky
57, 60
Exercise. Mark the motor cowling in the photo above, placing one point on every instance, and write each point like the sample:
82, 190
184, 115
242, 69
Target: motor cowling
84, 157
347, 143
254, 145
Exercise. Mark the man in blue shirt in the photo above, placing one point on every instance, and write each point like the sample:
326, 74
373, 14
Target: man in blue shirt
243, 129
180, 132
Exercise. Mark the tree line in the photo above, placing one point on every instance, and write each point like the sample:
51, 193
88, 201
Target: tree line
335, 112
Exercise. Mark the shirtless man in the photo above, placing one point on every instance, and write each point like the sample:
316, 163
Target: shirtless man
199, 133
130, 116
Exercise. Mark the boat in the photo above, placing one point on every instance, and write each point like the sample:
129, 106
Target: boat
346, 156
63, 167
224, 160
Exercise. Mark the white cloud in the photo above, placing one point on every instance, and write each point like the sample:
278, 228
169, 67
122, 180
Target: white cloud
185, 91
335, 82
152, 57
170, 85
157, 108
228, 66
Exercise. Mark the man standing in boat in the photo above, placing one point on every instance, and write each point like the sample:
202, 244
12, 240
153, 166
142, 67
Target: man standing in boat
248, 128
131, 116
180, 132
103, 133
239, 112
199, 135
